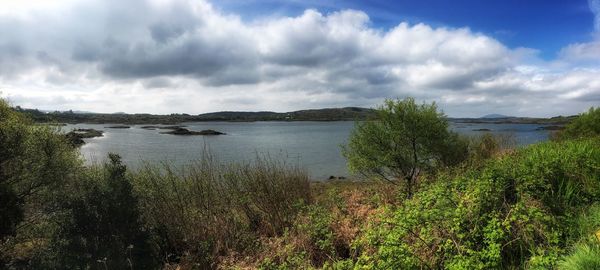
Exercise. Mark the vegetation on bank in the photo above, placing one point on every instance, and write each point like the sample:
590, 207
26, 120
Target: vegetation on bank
492, 207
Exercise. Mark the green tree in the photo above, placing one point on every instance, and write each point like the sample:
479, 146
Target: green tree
34, 162
405, 140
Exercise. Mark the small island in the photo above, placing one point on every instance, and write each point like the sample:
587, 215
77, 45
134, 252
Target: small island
482, 129
119, 126
185, 131
76, 136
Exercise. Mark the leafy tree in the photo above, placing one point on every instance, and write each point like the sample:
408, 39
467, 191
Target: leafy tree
405, 140
586, 125
34, 162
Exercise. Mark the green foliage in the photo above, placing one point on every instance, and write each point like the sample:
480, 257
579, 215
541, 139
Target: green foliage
515, 211
585, 253
316, 225
11, 212
586, 125
405, 139
104, 228
34, 162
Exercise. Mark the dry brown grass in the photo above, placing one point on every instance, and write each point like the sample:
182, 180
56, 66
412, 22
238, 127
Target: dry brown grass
208, 210
352, 207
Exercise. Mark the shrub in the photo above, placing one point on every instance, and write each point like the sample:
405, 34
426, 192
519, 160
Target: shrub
34, 162
37, 167
104, 227
586, 125
517, 210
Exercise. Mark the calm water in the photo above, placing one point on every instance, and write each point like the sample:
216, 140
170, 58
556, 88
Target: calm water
314, 146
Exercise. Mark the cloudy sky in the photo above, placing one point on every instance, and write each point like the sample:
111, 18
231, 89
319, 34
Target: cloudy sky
524, 58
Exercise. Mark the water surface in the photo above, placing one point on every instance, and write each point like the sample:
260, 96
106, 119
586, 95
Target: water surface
314, 146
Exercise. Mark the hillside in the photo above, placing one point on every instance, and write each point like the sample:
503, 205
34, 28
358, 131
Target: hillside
328, 114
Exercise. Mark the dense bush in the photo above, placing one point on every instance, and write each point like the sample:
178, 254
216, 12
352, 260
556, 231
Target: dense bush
37, 166
518, 210
104, 228
34, 162
586, 125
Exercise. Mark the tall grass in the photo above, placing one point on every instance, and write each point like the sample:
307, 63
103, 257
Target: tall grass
204, 210
584, 256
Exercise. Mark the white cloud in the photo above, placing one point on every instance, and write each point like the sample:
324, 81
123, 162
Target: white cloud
582, 52
166, 56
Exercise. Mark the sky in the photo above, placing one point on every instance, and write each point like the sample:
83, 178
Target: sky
535, 58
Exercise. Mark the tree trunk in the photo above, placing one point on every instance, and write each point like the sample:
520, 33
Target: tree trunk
409, 187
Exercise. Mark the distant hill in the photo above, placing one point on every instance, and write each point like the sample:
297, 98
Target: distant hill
495, 115
328, 114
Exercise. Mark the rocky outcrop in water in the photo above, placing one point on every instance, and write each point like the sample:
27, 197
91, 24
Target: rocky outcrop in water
76, 136
161, 127
119, 126
185, 131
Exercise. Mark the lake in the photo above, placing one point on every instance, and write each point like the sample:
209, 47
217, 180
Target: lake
314, 146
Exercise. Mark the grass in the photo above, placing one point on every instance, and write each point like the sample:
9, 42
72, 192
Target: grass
584, 256
206, 210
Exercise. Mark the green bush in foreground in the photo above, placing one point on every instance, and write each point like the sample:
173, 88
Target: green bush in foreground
519, 210
104, 228
34, 163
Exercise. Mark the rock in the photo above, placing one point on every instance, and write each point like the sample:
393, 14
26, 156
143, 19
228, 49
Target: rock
482, 129
184, 131
149, 127
161, 127
171, 127
119, 127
